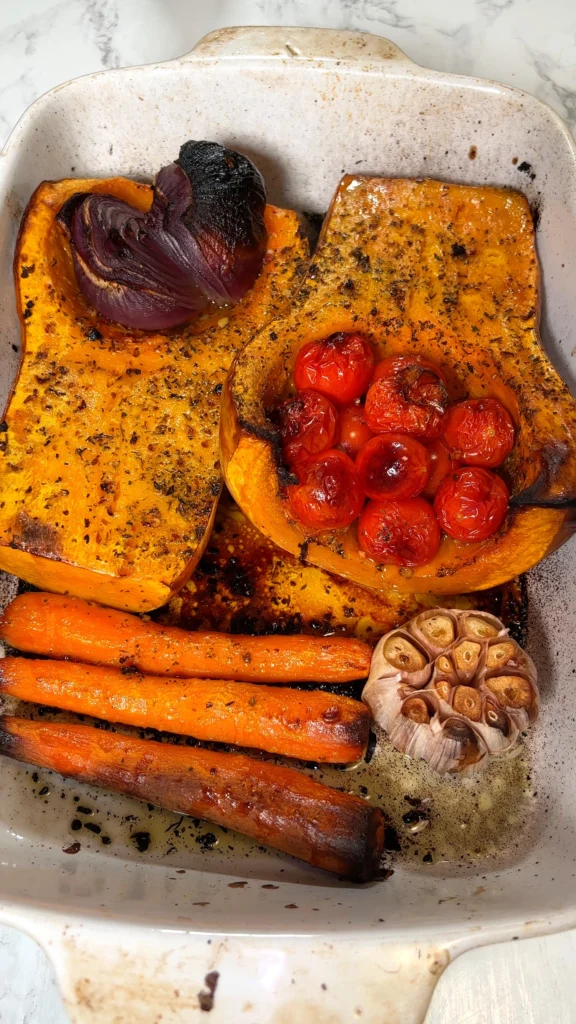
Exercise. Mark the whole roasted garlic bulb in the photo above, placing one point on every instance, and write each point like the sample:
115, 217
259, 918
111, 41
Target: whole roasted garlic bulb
453, 688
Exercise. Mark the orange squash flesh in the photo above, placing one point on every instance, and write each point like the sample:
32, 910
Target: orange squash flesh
448, 272
110, 463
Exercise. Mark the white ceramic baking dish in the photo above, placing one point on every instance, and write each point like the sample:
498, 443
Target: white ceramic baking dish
131, 938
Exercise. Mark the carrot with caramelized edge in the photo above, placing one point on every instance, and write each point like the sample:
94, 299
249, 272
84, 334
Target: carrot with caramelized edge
272, 804
311, 725
69, 627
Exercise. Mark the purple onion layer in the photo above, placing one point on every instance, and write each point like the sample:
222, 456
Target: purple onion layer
202, 241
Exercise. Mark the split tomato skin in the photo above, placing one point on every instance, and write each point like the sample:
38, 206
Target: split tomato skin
393, 466
308, 426
471, 504
408, 395
479, 432
392, 365
328, 494
339, 367
441, 463
402, 533
354, 431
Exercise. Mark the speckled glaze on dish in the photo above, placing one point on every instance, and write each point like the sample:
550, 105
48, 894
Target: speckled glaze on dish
136, 937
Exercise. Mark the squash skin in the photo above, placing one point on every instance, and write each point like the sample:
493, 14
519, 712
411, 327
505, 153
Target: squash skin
448, 272
110, 464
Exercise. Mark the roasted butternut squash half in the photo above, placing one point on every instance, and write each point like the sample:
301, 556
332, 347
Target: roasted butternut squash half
449, 273
109, 463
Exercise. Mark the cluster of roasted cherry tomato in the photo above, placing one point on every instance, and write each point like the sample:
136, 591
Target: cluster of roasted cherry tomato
387, 432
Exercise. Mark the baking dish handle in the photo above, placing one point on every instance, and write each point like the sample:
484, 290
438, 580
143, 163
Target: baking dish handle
135, 975
318, 44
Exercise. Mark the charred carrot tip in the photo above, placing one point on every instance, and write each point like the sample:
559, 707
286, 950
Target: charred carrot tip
10, 743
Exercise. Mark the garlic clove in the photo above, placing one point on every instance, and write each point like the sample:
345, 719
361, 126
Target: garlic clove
416, 710
511, 691
403, 655
503, 656
480, 625
453, 746
444, 668
468, 702
399, 657
495, 718
436, 629
466, 655
499, 729
443, 688
444, 664
500, 653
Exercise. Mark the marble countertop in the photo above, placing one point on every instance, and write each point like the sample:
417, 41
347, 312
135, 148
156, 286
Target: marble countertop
530, 44
527, 43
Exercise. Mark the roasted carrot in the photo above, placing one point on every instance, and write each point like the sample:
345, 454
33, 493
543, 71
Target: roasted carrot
311, 725
272, 804
68, 627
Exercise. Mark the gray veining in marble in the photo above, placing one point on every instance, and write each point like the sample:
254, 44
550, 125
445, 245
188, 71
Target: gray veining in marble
527, 43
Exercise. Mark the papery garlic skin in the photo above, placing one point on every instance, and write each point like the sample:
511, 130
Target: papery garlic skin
464, 691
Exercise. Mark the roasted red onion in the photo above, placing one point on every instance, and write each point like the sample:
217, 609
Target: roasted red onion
202, 241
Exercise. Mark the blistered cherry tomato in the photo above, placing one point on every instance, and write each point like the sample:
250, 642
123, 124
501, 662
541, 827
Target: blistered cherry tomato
408, 396
354, 431
471, 504
479, 432
399, 532
308, 426
441, 463
393, 466
339, 367
329, 495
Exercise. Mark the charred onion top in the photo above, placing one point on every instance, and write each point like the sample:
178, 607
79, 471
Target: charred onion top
202, 240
